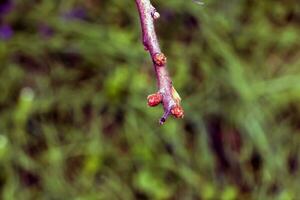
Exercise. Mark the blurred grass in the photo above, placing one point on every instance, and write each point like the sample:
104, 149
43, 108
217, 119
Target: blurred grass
74, 123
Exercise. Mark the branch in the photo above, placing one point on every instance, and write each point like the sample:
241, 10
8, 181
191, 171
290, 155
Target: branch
166, 94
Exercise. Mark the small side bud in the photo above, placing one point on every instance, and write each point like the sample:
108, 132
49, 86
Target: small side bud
177, 111
160, 59
154, 99
155, 15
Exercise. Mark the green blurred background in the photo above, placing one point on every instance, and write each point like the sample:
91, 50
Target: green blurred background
74, 122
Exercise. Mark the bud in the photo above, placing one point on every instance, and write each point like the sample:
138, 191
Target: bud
177, 111
154, 99
160, 59
155, 15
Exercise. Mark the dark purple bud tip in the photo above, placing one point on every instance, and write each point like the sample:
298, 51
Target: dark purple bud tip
162, 121
164, 117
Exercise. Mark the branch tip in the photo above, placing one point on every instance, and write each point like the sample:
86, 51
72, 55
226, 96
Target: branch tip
167, 95
165, 116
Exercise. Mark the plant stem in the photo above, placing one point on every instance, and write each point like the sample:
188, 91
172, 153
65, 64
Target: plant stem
170, 98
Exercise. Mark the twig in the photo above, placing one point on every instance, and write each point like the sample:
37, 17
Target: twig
166, 94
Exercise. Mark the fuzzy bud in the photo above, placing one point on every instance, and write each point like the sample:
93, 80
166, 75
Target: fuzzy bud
177, 111
160, 59
154, 99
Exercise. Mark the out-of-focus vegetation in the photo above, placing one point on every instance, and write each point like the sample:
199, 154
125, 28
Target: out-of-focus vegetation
74, 123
